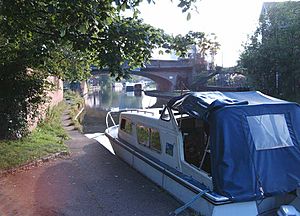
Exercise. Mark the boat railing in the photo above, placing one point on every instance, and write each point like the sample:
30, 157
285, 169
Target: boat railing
110, 117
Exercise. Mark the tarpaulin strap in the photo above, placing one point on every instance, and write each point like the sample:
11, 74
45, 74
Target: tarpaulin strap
182, 208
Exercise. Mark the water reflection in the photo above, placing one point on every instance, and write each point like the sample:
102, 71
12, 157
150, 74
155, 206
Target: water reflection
108, 99
99, 102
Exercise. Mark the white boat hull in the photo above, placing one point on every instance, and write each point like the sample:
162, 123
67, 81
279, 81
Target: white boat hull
170, 183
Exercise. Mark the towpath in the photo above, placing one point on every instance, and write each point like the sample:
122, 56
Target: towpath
92, 181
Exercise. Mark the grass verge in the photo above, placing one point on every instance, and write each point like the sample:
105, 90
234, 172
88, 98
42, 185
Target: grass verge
76, 103
46, 139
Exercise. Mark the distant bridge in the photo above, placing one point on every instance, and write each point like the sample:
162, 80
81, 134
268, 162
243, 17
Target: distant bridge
168, 74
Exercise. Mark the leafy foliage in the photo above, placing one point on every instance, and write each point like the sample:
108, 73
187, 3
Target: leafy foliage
58, 33
271, 57
21, 92
63, 38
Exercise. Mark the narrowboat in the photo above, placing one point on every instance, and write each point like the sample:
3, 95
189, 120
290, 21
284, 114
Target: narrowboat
220, 153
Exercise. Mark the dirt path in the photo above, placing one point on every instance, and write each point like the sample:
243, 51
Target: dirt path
91, 182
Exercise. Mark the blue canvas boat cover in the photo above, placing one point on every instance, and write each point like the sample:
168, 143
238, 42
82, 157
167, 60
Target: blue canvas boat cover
254, 141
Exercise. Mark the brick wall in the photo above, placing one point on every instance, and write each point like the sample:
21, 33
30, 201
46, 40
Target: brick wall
55, 96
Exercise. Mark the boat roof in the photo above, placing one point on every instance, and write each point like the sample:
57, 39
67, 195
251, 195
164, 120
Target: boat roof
150, 112
200, 104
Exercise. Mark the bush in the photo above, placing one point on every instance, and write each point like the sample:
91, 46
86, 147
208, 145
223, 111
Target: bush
21, 94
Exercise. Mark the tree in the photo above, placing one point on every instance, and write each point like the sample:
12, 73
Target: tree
63, 38
271, 57
94, 28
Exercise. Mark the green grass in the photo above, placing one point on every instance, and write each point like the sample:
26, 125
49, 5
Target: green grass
76, 103
46, 139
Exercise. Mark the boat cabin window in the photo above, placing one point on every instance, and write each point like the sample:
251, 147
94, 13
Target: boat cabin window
195, 134
148, 137
126, 126
155, 140
142, 135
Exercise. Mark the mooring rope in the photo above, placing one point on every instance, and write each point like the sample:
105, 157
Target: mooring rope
185, 206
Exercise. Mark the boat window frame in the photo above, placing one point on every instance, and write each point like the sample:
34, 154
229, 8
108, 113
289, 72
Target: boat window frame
139, 125
149, 139
166, 108
127, 121
151, 129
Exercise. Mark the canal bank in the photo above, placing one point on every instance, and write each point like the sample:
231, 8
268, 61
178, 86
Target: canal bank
91, 182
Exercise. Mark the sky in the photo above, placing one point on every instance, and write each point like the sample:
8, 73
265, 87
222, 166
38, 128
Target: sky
233, 21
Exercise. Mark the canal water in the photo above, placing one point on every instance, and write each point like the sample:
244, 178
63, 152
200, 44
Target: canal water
99, 102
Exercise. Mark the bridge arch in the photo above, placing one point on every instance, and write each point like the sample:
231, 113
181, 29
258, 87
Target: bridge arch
168, 74
162, 84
